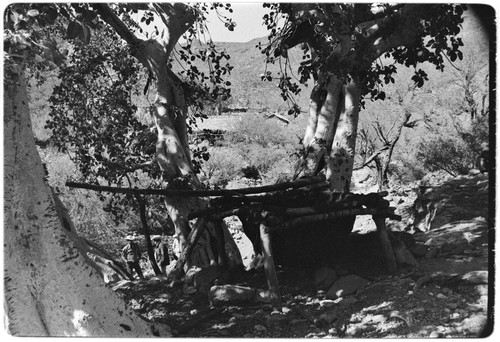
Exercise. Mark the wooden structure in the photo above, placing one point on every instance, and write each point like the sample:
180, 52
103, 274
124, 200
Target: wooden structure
274, 208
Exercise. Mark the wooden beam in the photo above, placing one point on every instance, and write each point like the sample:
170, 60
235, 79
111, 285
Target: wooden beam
272, 277
149, 245
307, 219
390, 258
201, 193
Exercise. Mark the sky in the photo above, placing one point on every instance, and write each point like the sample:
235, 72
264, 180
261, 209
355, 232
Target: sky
248, 18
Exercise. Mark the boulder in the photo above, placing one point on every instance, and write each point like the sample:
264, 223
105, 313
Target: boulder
419, 250
205, 278
230, 294
403, 255
324, 278
201, 278
346, 286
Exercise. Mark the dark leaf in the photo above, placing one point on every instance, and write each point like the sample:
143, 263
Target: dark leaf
74, 30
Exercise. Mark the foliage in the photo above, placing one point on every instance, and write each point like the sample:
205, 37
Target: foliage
447, 154
261, 131
266, 145
92, 113
322, 27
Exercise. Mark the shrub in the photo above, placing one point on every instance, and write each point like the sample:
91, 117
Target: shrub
224, 165
84, 207
256, 129
449, 154
406, 171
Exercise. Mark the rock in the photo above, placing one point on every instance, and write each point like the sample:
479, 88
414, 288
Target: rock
475, 324
275, 318
435, 334
328, 317
327, 302
261, 296
188, 289
205, 278
441, 296
189, 276
223, 332
324, 278
230, 294
249, 335
346, 286
476, 277
260, 327
403, 255
286, 310
419, 250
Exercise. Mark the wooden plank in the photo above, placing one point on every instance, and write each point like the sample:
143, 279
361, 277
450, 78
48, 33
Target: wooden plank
149, 245
307, 219
390, 258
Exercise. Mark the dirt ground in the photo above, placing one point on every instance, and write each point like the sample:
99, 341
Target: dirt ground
447, 294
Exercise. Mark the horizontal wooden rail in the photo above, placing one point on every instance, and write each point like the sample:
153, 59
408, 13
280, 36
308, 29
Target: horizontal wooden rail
306, 219
201, 193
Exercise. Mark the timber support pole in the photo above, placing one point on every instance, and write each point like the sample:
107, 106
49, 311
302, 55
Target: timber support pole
269, 267
390, 258
149, 245
219, 238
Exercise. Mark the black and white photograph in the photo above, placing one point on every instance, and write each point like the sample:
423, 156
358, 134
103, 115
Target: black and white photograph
249, 170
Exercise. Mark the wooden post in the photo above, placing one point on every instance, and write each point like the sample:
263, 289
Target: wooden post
272, 277
221, 244
390, 258
149, 245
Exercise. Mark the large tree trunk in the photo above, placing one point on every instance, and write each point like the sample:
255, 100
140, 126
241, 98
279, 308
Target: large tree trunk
52, 288
330, 138
172, 148
341, 160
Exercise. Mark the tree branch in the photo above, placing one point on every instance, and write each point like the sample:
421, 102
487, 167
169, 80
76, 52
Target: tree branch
372, 157
388, 32
110, 17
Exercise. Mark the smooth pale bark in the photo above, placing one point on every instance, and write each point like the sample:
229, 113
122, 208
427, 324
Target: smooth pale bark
330, 137
51, 287
323, 119
340, 163
360, 43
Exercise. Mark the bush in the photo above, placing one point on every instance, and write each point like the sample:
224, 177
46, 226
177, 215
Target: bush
267, 145
256, 129
406, 172
449, 154
223, 165
84, 206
